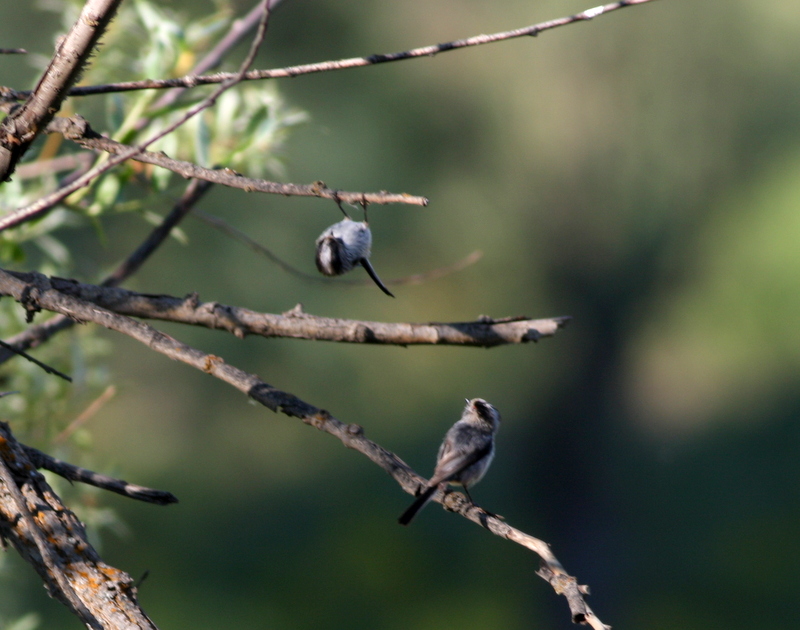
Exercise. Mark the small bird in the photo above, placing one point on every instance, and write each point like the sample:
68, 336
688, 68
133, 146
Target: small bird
343, 246
465, 454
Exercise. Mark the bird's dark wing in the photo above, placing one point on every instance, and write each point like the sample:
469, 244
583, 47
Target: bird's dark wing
452, 461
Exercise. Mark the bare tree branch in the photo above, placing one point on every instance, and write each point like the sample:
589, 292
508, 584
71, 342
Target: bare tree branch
484, 333
76, 473
13, 51
46, 203
238, 30
57, 583
36, 291
52, 539
194, 192
568, 586
87, 414
37, 335
23, 125
44, 366
354, 62
80, 132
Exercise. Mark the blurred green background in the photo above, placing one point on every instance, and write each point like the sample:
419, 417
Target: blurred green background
640, 172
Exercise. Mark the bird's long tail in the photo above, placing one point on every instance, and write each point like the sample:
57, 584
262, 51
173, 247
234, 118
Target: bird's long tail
368, 266
415, 507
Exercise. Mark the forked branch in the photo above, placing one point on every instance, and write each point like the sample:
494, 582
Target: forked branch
37, 292
43, 205
52, 539
24, 124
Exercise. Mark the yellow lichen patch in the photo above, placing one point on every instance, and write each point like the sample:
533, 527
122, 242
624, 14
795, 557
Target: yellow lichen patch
210, 363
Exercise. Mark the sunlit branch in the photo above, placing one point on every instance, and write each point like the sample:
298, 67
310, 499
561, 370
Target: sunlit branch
485, 332
23, 125
45, 204
354, 62
78, 130
35, 291
52, 539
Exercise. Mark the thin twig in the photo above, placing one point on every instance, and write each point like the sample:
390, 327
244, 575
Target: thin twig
258, 248
96, 405
354, 62
194, 192
440, 272
45, 204
34, 289
13, 51
76, 473
37, 335
39, 168
238, 30
227, 228
79, 131
44, 366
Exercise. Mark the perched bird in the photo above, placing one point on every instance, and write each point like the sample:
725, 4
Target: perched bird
465, 454
343, 246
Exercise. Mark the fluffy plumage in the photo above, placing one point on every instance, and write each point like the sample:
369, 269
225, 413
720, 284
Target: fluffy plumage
465, 454
343, 246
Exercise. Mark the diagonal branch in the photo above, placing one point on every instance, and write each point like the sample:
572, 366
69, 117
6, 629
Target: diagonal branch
238, 30
17, 508
37, 335
35, 291
23, 125
44, 366
104, 482
484, 332
193, 193
80, 132
52, 539
96, 405
354, 62
48, 202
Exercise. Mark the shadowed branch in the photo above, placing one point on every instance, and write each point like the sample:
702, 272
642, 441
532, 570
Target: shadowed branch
104, 482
